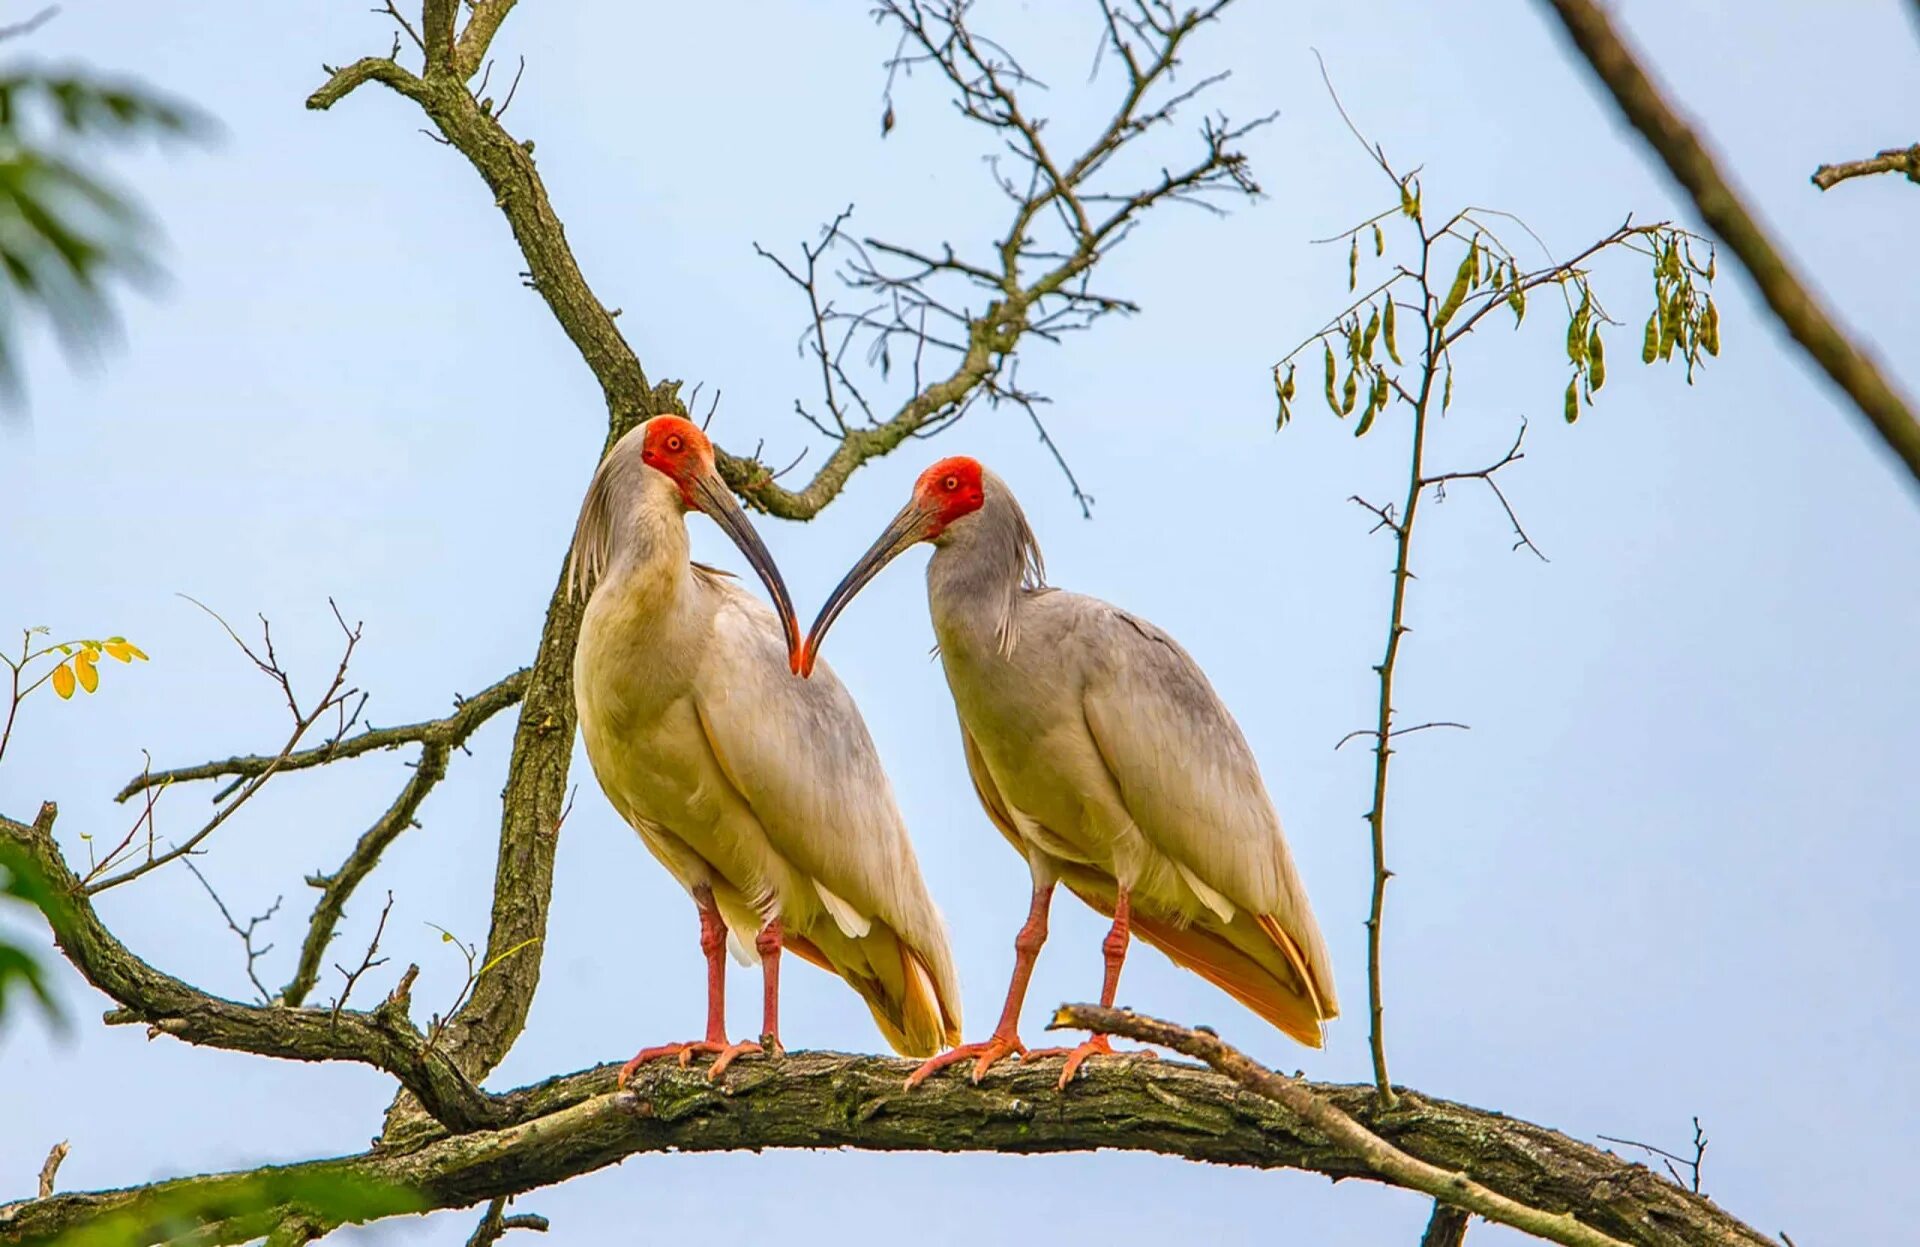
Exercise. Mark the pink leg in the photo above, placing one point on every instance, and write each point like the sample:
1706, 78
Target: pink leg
767, 943
1005, 1040
1114, 950
713, 943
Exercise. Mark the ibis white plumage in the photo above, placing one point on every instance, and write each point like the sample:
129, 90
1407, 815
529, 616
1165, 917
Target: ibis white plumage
1101, 752
760, 792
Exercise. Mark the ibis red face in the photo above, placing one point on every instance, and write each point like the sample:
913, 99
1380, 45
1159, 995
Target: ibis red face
677, 449
947, 491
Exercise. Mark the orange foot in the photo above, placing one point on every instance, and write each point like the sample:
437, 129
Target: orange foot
1077, 1056
684, 1051
732, 1051
997, 1048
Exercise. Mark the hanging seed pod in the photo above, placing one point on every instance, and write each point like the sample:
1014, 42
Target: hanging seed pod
1333, 375
1596, 361
1350, 393
1650, 348
1446, 391
1386, 327
1373, 331
1374, 392
1353, 265
1710, 328
1379, 240
1573, 400
1458, 293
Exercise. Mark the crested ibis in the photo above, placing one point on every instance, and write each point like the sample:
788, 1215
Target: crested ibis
760, 793
1101, 752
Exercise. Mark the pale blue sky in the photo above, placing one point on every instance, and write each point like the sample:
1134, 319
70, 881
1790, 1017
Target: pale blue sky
1670, 871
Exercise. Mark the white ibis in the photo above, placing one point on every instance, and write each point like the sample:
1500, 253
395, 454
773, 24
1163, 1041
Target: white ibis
761, 793
1102, 753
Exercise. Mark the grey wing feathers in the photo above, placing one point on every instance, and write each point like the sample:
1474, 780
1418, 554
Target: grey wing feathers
801, 755
1186, 774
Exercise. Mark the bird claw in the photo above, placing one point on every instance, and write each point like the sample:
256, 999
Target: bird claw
683, 1051
997, 1048
726, 1058
1098, 1045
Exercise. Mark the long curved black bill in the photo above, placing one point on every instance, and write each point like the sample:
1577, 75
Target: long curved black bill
907, 528
713, 497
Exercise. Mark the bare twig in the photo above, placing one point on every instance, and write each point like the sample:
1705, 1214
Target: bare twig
335, 694
1068, 213
453, 731
494, 1223
367, 962
245, 934
384, 1037
1669, 1159
1687, 159
51, 1168
1904, 160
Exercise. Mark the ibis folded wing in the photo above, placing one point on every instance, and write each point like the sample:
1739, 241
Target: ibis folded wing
1192, 787
799, 754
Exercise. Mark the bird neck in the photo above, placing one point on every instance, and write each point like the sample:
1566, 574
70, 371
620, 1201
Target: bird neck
644, 546
981, 564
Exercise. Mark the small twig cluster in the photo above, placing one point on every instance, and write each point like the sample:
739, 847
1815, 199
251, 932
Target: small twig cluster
1069, 211
1670, 1160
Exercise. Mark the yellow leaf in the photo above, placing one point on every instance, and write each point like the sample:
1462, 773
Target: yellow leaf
136, 651
120, 650
63, 681
84, 668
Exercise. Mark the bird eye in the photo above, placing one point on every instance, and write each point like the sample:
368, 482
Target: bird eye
674, 442
950, 484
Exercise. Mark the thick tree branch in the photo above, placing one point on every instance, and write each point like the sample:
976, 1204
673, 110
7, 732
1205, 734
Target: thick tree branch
384, 1038
1893, 160
480, 1034
579, 1124
1892, 418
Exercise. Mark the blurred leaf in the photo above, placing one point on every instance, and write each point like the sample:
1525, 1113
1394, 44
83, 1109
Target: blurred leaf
21, 880
65, 236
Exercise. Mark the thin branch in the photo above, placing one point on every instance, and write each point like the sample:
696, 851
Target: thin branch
1904, 160
1687, 159
1065, 218
452, 731
335, 694
370, 960
245, 934
384, 1038
1670, 1159
1376, 1154
494, 1223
